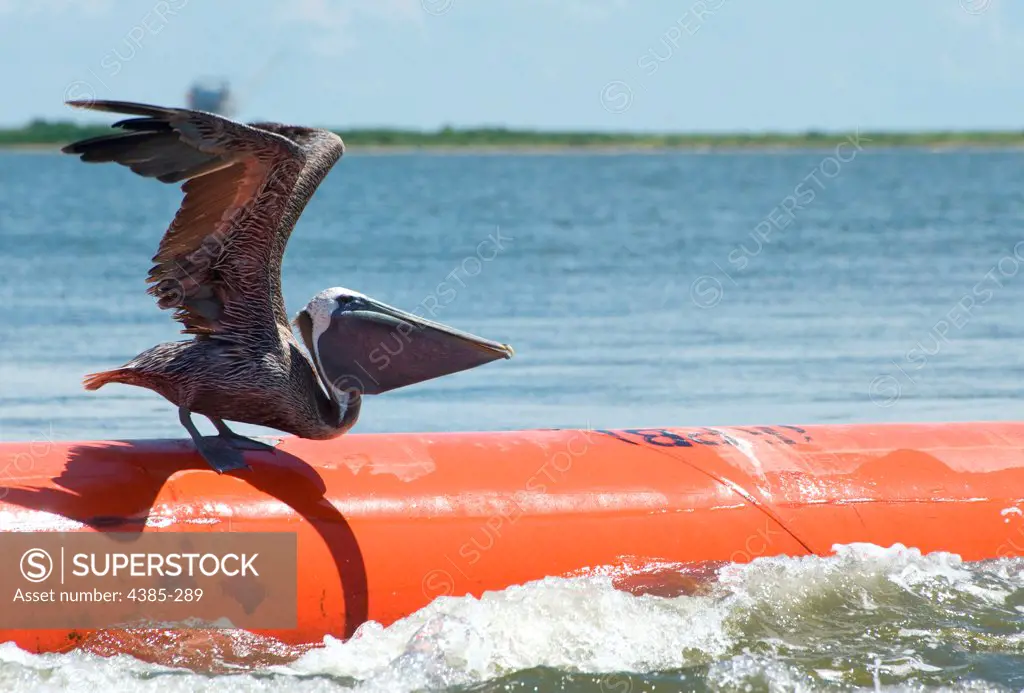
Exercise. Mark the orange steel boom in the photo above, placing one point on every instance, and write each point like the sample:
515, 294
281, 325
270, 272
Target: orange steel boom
387, 522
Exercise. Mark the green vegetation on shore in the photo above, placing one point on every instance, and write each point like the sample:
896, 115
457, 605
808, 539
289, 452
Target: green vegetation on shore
44, 133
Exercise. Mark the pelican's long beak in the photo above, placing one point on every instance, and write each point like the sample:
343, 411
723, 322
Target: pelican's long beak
383, 348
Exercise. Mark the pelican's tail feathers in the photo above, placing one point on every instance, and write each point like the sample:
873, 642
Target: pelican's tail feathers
126, 376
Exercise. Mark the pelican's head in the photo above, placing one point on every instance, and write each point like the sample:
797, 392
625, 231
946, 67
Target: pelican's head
361, 344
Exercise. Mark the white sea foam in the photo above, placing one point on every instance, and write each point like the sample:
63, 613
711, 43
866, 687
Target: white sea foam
749, 627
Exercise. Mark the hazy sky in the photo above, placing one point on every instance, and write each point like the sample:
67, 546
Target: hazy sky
568, 64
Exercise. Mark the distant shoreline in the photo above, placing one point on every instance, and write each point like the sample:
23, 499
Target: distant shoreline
527, 150
43, 136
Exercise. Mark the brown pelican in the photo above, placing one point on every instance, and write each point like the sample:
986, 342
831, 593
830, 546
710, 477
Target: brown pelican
219, 267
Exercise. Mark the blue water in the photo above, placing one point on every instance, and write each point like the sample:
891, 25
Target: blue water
635, 294
631, 286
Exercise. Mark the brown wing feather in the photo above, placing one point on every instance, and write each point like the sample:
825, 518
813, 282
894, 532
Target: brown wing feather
213, 261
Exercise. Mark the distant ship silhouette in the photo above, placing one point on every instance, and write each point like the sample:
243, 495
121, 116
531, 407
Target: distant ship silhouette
206, 95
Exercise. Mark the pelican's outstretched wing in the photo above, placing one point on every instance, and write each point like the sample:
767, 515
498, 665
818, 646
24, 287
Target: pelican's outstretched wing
219, 263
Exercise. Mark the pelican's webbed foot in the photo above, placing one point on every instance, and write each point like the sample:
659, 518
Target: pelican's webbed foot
216, 450
237, 440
